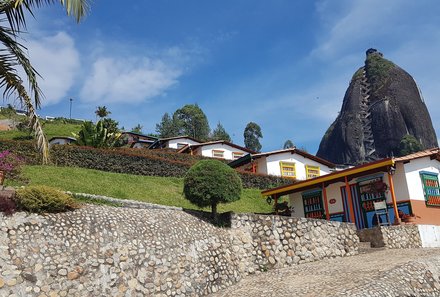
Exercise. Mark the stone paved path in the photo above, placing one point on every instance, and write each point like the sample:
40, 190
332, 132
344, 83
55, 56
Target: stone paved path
373, 274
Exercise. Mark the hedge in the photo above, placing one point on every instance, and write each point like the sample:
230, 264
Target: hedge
132, 161
25, 149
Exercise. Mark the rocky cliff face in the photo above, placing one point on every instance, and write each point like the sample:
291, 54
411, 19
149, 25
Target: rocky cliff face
381, 105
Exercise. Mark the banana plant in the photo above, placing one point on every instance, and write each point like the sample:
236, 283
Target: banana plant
95, 135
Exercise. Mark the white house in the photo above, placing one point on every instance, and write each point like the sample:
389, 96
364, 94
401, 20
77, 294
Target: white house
292, 162
408, 185
137, 140
219, 149
176, 143
61, 140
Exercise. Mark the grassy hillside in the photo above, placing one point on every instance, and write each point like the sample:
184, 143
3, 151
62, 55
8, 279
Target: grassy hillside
159, 190
51, 129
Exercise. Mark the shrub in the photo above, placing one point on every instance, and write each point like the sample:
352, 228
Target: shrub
44, 199
408, 145
10, 164
210, 182
7, 205
26, 150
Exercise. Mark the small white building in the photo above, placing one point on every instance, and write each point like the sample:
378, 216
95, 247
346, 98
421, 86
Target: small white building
177, 142
61, 140
137, 140
292, 163
219, 149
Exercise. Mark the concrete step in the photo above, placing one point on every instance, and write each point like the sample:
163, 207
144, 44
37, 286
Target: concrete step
364, 245
370, 250
365, 248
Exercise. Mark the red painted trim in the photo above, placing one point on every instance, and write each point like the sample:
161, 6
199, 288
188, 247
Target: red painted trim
324, 193
350, 200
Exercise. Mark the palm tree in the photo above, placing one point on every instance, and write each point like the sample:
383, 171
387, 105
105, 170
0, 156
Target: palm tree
102, 111
12, 55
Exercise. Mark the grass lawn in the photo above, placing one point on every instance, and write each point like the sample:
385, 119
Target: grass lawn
159, 190
51, 129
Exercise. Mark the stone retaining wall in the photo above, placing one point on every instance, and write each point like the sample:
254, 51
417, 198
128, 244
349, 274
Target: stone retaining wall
392, 237
116, 251
276, 242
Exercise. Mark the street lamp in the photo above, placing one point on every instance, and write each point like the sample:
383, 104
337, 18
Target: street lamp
70, 113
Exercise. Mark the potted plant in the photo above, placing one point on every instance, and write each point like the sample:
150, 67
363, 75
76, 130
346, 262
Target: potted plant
377, 187
407, 218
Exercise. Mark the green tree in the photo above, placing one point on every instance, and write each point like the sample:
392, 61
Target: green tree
137, 129
111, 125
219, 133
13, 57
408, 145
252, 134
166, 128
102, 112
210, 182
288, 144
191, 120
95, 135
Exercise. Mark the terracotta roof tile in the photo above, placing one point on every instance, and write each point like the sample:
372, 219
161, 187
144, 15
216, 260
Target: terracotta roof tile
421, 154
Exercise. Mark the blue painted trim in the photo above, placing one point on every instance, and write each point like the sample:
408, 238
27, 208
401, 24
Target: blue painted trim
312, 191
428, 173
361, 179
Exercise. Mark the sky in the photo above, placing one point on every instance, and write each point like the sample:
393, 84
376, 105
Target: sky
282, 64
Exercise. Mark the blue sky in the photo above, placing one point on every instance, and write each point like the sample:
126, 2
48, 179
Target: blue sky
282, 64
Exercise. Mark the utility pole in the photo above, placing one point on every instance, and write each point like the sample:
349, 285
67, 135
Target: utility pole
70, 113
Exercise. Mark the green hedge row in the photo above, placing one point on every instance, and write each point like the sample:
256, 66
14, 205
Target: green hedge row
168, 154
131, 161
25, 149
117, 161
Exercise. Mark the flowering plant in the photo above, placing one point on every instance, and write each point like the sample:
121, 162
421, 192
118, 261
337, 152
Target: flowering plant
377, 187
10, 164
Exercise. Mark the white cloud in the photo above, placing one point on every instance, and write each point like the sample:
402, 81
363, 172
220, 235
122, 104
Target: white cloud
57, 60
134, 79
357, 24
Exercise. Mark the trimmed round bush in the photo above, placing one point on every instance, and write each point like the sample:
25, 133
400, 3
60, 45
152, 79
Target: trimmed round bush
210, 182
44, 199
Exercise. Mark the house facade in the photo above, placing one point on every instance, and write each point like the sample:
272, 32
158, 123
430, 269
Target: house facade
292, 163
217, 149
176, 143
137, 140
408, 185
61, 140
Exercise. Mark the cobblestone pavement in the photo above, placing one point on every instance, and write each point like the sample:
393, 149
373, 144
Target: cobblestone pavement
379, 273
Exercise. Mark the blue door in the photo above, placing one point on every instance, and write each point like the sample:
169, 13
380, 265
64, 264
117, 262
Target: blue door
359, 219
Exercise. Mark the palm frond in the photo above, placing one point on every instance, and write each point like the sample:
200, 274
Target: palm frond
12, 84
9, 40
15, 9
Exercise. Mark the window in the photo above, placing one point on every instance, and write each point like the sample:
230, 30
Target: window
431, 188
312, 171
288, 169
180, 145
218, 154
237, 155
313, 206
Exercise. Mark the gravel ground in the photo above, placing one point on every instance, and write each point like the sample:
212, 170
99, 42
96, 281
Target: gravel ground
410, 272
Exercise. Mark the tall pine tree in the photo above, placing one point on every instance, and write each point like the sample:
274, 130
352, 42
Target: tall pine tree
166, 127
219, 133
252, 134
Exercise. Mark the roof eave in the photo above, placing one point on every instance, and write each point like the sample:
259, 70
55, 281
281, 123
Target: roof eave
328, 178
